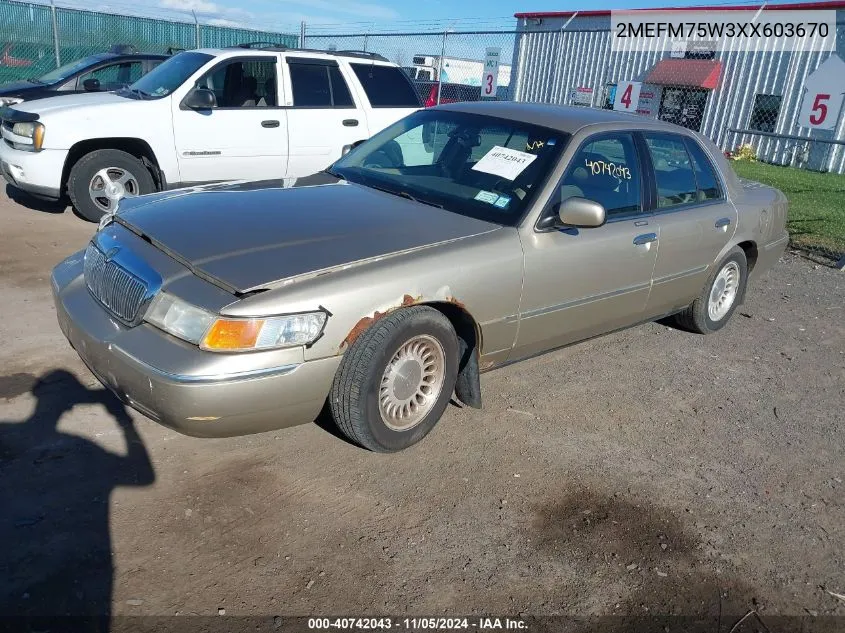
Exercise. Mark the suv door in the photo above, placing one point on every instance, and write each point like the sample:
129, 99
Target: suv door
323, 117
583, 282
695, 217
244, 136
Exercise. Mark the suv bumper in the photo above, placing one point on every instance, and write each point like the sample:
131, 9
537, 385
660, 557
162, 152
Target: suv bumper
39, 173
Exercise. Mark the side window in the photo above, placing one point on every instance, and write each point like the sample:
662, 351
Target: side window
386, 86
318, 85
129, 73
606, 171
242, 83
673, 171
708, 184
107, 76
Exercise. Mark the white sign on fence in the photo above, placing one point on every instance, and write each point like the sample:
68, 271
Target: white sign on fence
490, 75
627, 96
822, 102
582, 95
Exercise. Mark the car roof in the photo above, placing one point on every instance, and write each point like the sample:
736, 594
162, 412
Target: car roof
568, 119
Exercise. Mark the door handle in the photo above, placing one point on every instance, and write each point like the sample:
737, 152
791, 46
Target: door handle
270, 123
723, 223
350, 122
645, 238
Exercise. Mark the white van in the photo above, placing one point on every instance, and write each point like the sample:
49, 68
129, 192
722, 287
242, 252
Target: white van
202, 116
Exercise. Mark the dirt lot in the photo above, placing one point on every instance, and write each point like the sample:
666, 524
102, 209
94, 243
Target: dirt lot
651, 471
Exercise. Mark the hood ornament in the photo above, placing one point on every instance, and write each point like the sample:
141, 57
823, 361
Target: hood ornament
108, 218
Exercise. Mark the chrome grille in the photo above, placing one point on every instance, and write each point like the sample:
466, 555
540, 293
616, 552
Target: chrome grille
120, 292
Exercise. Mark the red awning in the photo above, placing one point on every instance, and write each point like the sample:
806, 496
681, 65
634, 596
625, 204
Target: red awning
701, 73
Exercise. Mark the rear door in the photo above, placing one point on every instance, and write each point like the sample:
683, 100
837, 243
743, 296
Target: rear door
388, 90
244, 136
323, 116
583, 282
696, 220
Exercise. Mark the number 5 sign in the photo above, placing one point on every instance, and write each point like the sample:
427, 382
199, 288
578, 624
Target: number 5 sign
627, 96
490, 77
823, 97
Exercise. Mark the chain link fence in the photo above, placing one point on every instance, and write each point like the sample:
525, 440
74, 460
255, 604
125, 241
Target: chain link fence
37, 38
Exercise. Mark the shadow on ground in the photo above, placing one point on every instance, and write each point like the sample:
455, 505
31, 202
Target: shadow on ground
36, 204
55, 500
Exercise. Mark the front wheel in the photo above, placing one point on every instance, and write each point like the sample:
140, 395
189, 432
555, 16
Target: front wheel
100, 179
396, 379
724, 291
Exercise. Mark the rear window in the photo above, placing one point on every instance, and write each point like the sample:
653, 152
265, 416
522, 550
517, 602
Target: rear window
386, 86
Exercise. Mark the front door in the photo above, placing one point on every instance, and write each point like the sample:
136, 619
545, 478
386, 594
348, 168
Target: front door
323, 117
696, 220
244, 136
583, 282
683, 106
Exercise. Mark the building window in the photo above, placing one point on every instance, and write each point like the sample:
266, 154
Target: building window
764, 114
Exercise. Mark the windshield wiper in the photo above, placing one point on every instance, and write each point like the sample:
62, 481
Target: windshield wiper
328, 170
134, 91
407, 196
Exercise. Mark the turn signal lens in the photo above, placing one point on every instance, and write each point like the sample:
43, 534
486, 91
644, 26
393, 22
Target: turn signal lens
233, 335
38, 137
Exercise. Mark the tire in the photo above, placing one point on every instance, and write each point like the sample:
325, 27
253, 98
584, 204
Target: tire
697, 317
116, 163
363, 382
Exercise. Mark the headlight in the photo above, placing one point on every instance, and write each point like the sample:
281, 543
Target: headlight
179, 318
7, 101
227, 334
30, 129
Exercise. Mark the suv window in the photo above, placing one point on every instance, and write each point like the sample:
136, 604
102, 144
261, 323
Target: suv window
317, 84
242, 83
114, 76
673, 171
386, 86
705, 175
606, 171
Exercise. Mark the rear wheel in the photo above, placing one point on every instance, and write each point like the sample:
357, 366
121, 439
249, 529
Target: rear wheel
724, 291
396, 379
100, 179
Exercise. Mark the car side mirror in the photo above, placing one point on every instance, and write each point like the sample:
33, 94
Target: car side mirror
581, 213
91, 85
199, 99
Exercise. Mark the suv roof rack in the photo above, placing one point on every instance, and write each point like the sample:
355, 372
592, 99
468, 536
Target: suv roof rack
270, 46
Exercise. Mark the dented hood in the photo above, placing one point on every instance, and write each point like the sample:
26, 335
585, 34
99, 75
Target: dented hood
249, 236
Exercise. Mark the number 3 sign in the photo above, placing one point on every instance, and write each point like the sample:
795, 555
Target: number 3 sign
627, 96
823, 97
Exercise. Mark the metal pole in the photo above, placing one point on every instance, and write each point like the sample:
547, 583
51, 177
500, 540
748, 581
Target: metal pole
199, 35
56, 35
440, 65
302, 34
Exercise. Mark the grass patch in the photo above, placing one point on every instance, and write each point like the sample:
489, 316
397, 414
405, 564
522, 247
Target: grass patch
816, 203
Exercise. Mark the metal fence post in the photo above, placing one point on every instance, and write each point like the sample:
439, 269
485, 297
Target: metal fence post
55, 34
302, 34
198, 35
440, 65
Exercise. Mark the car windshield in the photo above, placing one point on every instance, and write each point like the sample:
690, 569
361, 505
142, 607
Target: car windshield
476, 165
169, 75
63, 72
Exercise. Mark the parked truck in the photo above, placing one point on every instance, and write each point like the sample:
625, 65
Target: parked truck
455, 70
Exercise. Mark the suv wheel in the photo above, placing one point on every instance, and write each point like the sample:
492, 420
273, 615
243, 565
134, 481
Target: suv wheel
99, 180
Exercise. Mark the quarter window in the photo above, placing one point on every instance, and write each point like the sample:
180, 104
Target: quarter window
386, 86
705, 176
606, 171
673, 171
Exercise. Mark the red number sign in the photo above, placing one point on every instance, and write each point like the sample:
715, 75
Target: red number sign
819, 111
626, 96
488, 89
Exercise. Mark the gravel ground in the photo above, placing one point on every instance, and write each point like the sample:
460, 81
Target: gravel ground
646, 472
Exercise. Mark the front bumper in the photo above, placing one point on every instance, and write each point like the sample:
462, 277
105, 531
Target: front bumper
39, 173
223, 404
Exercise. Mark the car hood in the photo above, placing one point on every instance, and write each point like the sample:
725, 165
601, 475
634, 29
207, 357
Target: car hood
249, 236
70, 102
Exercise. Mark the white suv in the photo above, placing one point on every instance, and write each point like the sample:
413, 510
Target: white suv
202, 116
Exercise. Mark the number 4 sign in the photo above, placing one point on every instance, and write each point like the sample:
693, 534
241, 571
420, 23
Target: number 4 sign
822, 102
627, 96
490, 77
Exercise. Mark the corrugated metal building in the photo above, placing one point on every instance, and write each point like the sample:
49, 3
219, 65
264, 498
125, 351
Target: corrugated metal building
566, 58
